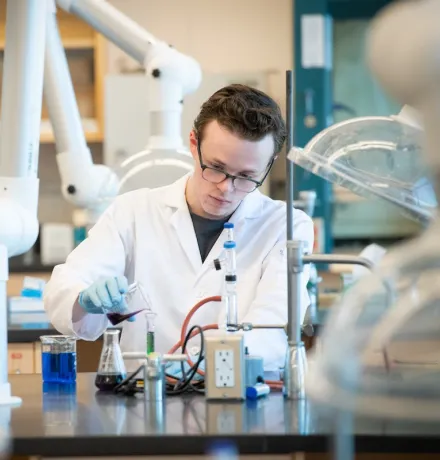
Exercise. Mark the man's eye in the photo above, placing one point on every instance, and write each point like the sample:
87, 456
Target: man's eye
217, 167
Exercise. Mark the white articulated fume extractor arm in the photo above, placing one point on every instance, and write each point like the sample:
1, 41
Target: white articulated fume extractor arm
33, 49
83, 183
170, 75
21, 101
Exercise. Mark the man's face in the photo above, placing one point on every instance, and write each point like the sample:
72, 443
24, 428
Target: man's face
224, 151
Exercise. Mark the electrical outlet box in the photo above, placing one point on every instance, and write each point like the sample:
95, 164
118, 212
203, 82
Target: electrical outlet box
225, 367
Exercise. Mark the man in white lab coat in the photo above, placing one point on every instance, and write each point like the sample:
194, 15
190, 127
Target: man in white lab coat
167, 238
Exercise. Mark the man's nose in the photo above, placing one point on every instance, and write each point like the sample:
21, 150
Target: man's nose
226, 186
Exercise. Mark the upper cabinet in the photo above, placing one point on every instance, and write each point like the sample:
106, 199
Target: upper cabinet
86, 52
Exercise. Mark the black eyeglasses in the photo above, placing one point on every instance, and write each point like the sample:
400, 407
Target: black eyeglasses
241, 184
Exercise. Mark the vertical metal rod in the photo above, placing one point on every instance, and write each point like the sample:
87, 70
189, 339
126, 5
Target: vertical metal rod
289, 199
295, 268
289, 145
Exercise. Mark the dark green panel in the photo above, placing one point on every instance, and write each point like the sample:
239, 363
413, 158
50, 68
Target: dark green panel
313, 98
355, 9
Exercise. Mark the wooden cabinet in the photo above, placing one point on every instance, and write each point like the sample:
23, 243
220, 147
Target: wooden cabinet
25, 358
37, 358
21, 359
85, 50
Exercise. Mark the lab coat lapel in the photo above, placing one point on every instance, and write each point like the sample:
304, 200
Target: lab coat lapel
174, 197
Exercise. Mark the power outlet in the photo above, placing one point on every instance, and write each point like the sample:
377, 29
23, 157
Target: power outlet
225, 366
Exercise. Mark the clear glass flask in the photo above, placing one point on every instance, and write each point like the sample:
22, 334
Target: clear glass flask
136, 301
111, 370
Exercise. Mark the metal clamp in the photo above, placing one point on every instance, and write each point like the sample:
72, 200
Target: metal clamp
154, 372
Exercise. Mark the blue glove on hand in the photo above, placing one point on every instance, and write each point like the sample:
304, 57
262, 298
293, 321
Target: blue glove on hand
105, 296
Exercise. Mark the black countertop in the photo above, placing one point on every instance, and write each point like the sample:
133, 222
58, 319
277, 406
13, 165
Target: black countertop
60, 424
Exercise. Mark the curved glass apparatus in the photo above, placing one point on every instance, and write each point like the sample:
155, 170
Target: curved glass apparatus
153, 168
380, 353
373, 157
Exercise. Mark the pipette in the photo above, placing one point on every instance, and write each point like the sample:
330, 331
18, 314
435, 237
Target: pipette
150, 319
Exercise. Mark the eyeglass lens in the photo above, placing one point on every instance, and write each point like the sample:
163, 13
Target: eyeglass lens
240, 184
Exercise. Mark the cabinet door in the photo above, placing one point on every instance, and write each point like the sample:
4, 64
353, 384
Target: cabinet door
37, 357
21, 358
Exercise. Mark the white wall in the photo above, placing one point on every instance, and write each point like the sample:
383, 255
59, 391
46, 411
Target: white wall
224, 35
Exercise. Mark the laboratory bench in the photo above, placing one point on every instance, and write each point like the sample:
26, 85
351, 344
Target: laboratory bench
60, 423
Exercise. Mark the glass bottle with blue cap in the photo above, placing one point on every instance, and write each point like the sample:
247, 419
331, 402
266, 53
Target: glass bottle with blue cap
229, 227
231, 286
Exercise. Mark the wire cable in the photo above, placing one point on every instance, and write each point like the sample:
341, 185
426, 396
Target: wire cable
185, 383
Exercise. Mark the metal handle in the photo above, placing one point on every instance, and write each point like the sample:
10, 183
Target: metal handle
338, 259
143, 355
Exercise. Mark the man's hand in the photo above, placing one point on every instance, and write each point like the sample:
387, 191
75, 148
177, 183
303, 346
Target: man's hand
105, 296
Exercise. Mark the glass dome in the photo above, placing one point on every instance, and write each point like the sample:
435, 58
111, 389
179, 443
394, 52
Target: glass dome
373, 157
153, 168
380, 352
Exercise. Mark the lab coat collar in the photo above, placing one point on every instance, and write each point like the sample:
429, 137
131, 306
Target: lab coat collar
173, 196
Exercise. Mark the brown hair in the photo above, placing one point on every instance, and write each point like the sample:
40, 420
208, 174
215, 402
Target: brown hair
244, 111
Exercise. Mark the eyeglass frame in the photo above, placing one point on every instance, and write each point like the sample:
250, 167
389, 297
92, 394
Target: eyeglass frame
231, 176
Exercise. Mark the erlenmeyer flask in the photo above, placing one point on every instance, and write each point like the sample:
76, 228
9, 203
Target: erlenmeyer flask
111, 370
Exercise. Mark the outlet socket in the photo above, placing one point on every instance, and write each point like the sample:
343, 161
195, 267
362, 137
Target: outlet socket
225, 367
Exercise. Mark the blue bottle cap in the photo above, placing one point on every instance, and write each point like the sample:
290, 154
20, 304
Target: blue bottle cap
256, 391
229, 244
251, 393
228, 225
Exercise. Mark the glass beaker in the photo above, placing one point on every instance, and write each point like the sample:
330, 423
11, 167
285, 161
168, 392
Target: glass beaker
111, 370
58, 358
136, 301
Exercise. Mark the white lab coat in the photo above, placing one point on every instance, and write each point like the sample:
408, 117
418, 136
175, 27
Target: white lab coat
148, 236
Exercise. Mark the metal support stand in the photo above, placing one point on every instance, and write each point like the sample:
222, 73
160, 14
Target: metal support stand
154, 378
154, 372
296, 361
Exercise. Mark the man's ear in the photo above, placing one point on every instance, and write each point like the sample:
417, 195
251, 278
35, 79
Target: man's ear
193, 144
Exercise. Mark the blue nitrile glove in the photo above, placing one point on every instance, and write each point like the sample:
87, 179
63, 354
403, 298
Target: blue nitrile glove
174, 368
105, 296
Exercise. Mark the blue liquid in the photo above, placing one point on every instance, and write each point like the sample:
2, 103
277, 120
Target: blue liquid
59, 367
